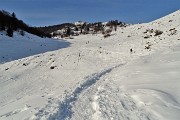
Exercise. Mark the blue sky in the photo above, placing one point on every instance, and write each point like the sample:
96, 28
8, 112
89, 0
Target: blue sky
50, 12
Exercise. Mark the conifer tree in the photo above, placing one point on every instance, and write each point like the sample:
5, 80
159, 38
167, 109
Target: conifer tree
10, 32
14, 21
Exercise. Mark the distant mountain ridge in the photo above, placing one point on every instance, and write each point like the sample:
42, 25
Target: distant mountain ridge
80, 27
10, 23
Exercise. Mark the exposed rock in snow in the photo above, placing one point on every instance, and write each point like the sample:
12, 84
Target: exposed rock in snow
124, 76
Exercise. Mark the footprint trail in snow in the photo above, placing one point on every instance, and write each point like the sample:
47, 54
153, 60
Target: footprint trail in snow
98, 98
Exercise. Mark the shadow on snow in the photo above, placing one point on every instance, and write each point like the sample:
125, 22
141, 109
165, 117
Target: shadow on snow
11, 50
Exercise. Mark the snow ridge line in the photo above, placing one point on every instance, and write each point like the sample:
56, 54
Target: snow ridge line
65, 107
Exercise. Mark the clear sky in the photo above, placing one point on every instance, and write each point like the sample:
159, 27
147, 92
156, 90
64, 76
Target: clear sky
50, 12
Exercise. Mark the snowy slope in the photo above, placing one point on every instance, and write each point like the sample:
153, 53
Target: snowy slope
97, 78
24, 46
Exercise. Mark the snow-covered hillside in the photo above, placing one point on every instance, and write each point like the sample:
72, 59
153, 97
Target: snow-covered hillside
24, 46
132, 75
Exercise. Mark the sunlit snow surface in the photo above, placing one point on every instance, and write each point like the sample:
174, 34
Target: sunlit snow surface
93, 78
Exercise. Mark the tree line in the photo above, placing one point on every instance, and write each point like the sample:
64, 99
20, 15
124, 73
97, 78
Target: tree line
84, 28
10, 23
50, 29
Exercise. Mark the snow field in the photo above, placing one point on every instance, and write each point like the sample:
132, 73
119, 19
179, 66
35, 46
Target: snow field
94, 78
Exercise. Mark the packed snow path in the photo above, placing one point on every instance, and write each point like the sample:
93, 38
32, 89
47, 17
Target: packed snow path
99, 99
121, 84
65, 108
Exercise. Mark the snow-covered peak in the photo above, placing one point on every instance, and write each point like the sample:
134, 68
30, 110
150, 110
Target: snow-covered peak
79, 23
104, 23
